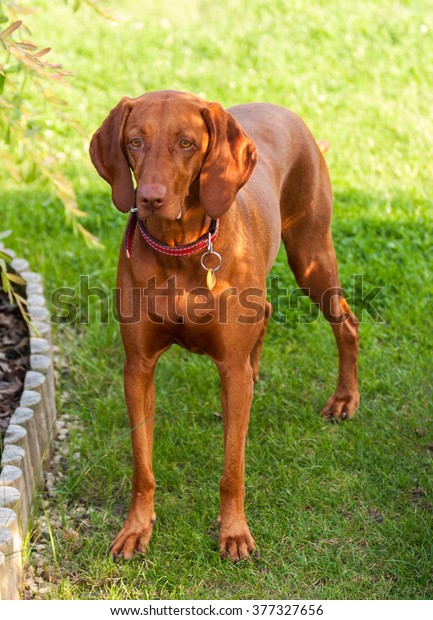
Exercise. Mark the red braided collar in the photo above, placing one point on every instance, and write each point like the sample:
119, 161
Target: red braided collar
178, 250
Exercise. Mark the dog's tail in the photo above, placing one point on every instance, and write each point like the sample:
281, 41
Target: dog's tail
323, 145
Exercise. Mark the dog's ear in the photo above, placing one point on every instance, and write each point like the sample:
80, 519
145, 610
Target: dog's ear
109, 158
230, 160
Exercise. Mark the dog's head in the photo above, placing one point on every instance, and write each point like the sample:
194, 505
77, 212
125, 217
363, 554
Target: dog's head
179, 149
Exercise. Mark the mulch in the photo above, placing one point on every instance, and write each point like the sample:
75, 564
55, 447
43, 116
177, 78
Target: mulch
14, 359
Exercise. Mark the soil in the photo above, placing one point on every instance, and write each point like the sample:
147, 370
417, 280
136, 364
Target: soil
14, 359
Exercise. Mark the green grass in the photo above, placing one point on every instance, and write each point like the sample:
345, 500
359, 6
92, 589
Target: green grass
334, 508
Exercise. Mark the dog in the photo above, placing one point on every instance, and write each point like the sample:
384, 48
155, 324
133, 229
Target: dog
215, 192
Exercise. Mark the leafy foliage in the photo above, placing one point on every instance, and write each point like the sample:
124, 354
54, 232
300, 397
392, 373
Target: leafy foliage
26, 136
9, 280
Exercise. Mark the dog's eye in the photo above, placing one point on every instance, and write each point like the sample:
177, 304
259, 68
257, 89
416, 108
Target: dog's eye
135, 142
185, 144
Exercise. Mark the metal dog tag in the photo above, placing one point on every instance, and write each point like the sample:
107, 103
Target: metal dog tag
210, 279
210, 275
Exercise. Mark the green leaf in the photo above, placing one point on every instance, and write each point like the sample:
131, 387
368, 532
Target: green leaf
4, 258
12, 68
5, 281
30, 171
2, 82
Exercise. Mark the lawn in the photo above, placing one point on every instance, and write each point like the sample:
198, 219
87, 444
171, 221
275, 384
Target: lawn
339, 511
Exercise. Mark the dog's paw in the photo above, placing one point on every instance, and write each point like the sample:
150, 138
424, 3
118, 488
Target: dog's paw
341, 406
236, 542
133, 537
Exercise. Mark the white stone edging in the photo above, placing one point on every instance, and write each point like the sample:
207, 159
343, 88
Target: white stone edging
28, 440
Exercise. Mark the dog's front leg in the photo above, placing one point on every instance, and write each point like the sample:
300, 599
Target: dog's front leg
236, 542
140, 399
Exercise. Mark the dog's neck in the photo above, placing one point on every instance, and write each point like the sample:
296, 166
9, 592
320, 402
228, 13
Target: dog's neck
188, 228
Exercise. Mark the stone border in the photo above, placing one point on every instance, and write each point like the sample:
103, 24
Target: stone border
28, 443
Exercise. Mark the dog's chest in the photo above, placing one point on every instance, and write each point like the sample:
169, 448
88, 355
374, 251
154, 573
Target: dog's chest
195, 317
173, 305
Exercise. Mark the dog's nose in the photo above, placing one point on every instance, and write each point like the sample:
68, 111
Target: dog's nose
152, 196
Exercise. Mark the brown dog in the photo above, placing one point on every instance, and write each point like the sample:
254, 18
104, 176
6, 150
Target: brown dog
215, 192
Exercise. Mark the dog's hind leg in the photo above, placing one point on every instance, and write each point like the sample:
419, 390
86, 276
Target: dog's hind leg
310, 252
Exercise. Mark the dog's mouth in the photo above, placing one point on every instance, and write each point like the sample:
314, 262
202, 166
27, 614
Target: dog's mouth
172, 214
